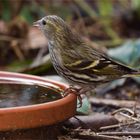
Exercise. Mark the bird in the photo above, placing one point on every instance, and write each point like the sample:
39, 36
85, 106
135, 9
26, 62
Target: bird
80, 64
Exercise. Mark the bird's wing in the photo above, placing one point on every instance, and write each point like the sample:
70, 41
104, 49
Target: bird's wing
95, 65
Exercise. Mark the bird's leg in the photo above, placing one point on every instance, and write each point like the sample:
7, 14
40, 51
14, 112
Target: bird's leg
76, 91
79, 93
69, 90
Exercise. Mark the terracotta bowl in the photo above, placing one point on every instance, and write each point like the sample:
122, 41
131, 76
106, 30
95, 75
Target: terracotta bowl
37, 115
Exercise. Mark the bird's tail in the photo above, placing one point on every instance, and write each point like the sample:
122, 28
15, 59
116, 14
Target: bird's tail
134, 74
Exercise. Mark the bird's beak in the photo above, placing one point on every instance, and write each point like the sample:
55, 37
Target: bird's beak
37, 23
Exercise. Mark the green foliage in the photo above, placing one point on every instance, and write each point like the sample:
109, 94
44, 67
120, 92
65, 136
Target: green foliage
128, 53
136, 6
18, 65
6, 13
28, 11
105, 8
85, 108
86, 8
26, 14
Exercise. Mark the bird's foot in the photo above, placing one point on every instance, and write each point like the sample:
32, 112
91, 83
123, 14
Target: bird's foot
76, 91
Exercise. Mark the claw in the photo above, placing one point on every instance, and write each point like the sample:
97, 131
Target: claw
69, 90
74, 90
80, 101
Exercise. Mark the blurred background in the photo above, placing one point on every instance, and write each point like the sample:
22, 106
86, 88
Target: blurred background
111, 26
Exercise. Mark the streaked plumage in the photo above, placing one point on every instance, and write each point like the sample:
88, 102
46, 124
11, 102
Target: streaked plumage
75, 60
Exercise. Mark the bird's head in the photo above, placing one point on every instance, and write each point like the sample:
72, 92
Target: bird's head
51, 25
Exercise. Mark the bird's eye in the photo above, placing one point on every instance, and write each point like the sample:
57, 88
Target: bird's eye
43, 22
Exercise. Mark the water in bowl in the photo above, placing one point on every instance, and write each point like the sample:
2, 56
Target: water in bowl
17, 92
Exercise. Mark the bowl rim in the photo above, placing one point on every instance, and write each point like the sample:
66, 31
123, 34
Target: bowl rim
63, 100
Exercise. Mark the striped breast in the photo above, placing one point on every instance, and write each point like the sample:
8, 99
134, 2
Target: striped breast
55, 59
61, 69
69, 75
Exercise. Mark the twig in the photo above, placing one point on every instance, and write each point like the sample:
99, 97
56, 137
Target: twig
88, 134
87, 8
14, 44
9, 38
134, 134
117, 125
112, 102
123, 109
126, 115
96, 137
130, 117
39, 58
18, 52
80, 18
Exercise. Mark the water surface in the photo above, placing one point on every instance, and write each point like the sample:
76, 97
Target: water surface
15, 93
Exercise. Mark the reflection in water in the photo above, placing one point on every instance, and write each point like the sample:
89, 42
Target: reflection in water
14, 94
